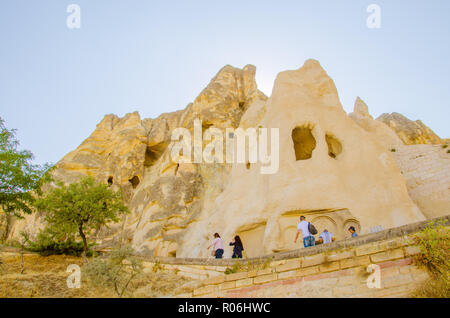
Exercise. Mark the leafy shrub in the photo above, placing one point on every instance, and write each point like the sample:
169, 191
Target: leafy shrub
157, 266
237, 267
434, 243
240, 266
116, 271
47, 244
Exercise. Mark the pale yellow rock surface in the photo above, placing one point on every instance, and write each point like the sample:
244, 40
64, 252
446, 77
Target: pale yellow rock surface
410, 132
379, 131
361, 185
426, 169
133, 154
346, 173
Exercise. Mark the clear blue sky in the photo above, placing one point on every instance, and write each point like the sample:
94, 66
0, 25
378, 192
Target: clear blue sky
154, 56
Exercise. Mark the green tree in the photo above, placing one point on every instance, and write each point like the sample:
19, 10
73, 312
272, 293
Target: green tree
80, 208
19, 178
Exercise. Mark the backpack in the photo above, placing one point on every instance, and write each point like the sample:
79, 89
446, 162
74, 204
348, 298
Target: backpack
312, 229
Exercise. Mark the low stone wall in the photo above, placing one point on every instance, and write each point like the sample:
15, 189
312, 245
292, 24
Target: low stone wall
338, 269
337, 274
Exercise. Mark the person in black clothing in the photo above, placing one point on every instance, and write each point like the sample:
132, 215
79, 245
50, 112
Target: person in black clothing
238, 247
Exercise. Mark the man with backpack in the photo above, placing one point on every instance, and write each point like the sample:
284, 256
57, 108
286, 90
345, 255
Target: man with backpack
308, 231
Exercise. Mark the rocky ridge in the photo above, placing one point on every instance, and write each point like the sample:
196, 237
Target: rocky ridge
175, 207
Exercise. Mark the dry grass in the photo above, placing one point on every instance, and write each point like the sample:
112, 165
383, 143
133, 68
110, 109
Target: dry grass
163, 284
434, 242
46, 276
433, 288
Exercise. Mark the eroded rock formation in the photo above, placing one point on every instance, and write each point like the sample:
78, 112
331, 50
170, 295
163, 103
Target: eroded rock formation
345, 179
378, 131
133, 154
426, 169
335, 169
410, 132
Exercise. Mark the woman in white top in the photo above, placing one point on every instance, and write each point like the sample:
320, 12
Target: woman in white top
218, 246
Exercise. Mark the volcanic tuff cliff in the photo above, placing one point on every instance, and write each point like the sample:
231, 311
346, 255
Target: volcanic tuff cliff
410, 132
336, 169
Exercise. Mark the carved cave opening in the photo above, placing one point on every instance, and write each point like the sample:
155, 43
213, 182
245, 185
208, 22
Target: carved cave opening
110, 181
304, 142
334, 146
153, 153
134, 181
206, 125
252, 237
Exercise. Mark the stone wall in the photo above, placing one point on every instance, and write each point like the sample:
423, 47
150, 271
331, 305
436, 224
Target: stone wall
338, 269
340, 278
426, 169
